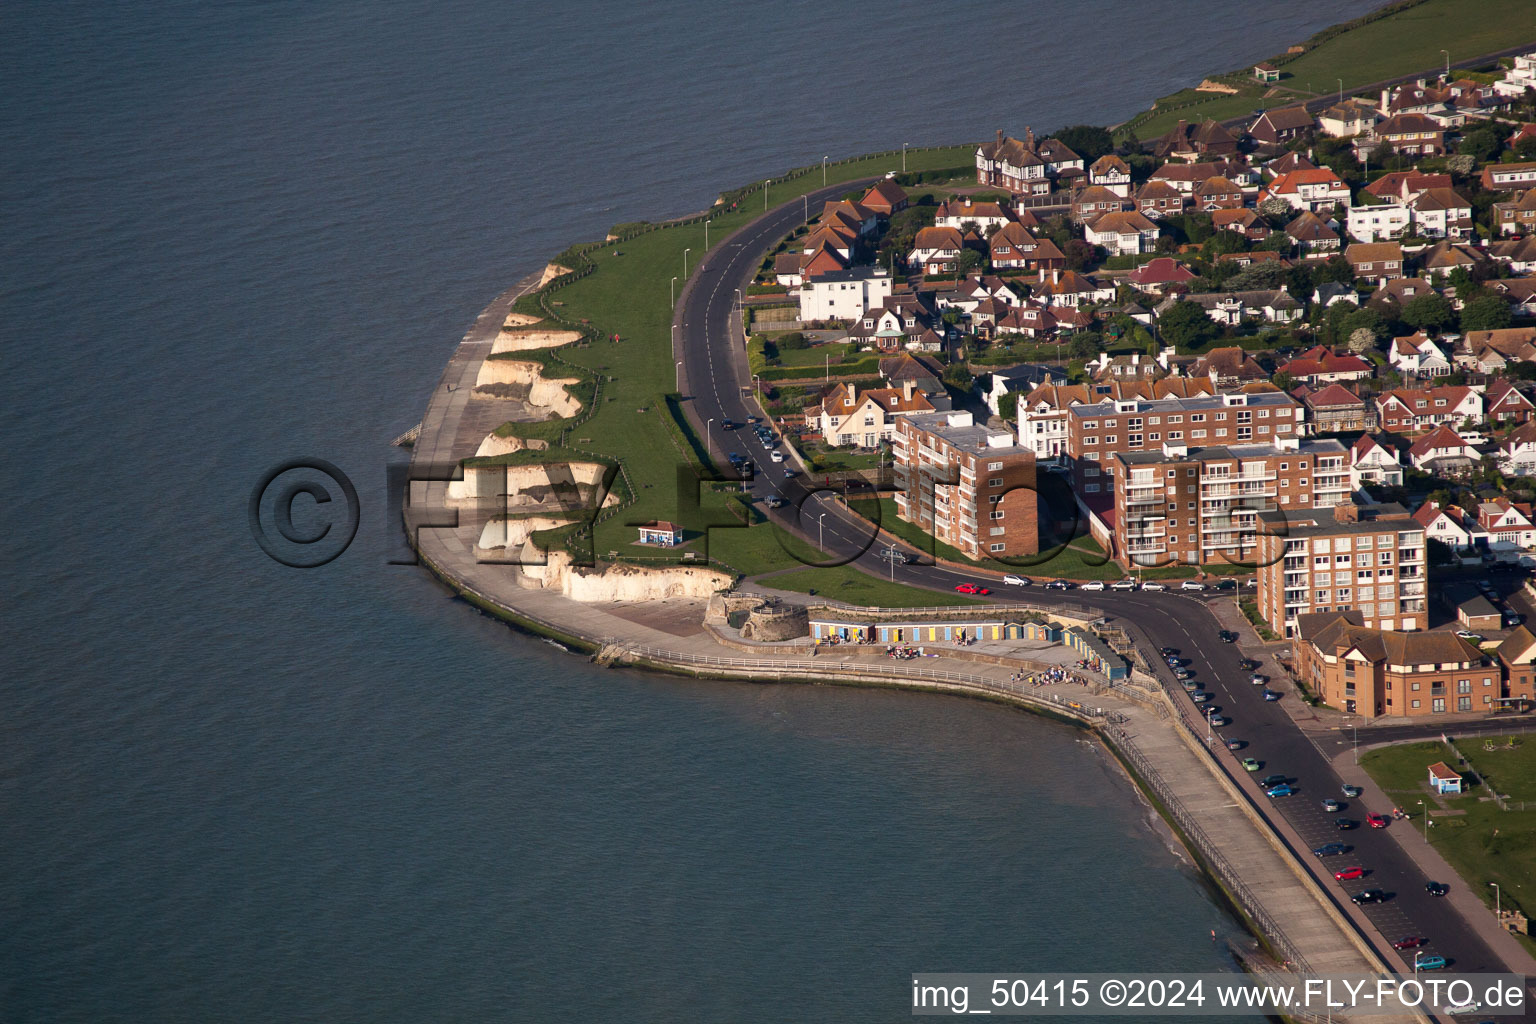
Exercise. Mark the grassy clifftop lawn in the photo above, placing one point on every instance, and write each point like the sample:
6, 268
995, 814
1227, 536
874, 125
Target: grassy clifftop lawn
1398, 39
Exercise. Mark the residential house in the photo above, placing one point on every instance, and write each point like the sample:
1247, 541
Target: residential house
896, 323
1335, 410
1187, 177
1401, 289
1506, 404
824, 260
1373, 463
1351, 117
1375, 261
1401, 186
1218, 193
1519, 78
1519, 292
1417, 356
1516, 216
786, 269
1329, 292
1030, 320
1043, 412
924, 373
1412, 134
1518, 255
850, 417
1132, 366
1158, 275
1288, 162
1022, 380
1195, 142
1320, 189
1070, 288
1012, 245
1243, 222
1281, 125
1508, 177
1444, 256
1450, 525
1159, 199
1312, 234
884, 198
1121, 233
1517, 450
1443, 452
1416, 410
936, 250
1228, 367
844, 294
1021, 165
1232, 308
1441, 213
1091, 202
1508, 524
1320, 365
1113, 173
964, 213
1378, 221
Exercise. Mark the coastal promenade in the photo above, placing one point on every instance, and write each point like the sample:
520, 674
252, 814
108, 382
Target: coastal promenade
1255, 872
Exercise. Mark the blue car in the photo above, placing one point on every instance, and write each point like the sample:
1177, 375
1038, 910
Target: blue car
1271, 694
1428, 963
1283, 789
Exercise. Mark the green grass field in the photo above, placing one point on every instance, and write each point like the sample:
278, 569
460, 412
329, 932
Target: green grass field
852, 586
1483, 844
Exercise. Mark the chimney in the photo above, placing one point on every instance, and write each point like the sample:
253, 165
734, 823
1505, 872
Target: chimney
1346, 513
1029, 138
907, 387
999, 136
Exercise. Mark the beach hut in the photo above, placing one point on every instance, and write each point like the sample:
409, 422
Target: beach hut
660, 533
1444, 779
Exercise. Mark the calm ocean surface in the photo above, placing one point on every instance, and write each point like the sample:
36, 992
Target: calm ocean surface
239, 233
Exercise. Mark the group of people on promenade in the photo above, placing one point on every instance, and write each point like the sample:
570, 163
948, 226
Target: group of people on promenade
1050, 676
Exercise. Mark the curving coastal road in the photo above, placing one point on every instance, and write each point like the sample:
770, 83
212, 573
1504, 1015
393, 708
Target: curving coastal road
716, 381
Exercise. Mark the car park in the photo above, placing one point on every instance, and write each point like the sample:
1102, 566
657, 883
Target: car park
1281, 790
1366, 896
1191, 585
1409, 942
1330, 850
1377, 820
1345, 824
1436, 888
971, 588
1351, 791
1249, 764
1331, 805
1349, 874
1017, 581
1093, 585
1153, 586
1271, 695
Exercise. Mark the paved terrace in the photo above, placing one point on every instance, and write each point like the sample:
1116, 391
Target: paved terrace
1258, 876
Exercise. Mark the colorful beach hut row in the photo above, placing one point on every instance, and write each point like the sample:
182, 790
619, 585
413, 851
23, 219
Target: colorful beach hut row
933, 632
1097, 653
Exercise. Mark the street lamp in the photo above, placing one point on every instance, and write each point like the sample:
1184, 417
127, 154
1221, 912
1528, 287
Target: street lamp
1354, 731
674, 292
805, 202
1447, 64
679, 374
821, 531
706, 235
765, 197
903, 158
709, 443
1498, 902
1426, 820
685, 261
1341, 90
824, 169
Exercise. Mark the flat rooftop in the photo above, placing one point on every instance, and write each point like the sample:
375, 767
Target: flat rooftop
961, 430
1199, 403
1233, 452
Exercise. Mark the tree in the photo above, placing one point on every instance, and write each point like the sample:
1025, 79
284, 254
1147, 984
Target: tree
1008, 406
1078, 253
1283, 381
969, 260
1481, 145
1486, 313
1186, 325
1364, 318
1087, 141
1083, 346
1429, 312
1525, 149
792, 341
1276, 208
1361, 340
958, 375
1259, 275
1335, 268
1299, 281
1221, 243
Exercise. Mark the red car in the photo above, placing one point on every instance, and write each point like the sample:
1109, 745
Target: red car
1411, 942
1378, 820
971, 588
1349, 873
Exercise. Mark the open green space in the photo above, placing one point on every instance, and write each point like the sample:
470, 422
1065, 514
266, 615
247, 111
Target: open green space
845, 583
1483, 843
623, 289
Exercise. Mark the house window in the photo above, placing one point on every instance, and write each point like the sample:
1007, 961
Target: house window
996, 547
994, 465
995, 481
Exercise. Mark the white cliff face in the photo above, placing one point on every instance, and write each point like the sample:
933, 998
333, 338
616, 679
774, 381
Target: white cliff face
618, 582
493, 445
545, 395
571, 484
524, 340
502, 539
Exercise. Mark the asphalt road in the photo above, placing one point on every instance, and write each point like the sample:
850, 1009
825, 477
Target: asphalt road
716, 374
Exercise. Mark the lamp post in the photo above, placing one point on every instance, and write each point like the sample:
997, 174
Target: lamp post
903, 158
1341, 90
824, 168
1354, 730
709, 438
765, 197
706, 235
674, 292
679, 374
821, 531
757, 385
1426, 820
1447, 64
805, 203
685, 261
1498, 902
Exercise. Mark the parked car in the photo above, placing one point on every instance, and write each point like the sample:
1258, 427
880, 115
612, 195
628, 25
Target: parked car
1093, 585
1199, 696
1226, 636
1220, 720
1331, 805
1258, 680
1058, 585
1280, 790
1226, 585
776, 456
1191, 585
1409, 942
1345, 824
1122, 585
971, 588
776, 502
1017, 581
1249, 764
1428, 963
1365, 896
1330, 850
1271, 695
1436, 888
1377, 820
1247, 664
1351, 791
1153, 586
1511, 620
1273, 780
1190, 683
1209, 709
1349, 874
1469, 636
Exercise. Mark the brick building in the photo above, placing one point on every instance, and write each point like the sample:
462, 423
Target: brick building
1199, 505
972, 487
1369, 559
